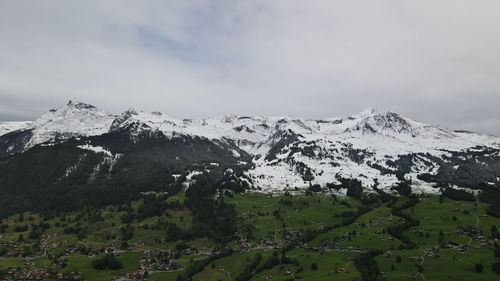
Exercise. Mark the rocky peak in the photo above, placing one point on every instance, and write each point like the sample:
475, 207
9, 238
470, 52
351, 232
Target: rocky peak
79, 105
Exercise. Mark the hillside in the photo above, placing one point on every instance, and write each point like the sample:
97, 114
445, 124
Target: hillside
88, 195
277, 153
302, 237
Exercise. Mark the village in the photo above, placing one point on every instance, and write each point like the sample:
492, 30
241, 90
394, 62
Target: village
52, 256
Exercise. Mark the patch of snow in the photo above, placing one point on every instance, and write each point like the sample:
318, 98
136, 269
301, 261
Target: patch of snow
96, 149
193, 174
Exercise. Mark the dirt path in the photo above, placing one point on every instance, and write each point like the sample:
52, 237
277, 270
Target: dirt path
422, 258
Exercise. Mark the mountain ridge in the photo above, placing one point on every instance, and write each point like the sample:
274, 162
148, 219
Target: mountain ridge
82, 106
286, 152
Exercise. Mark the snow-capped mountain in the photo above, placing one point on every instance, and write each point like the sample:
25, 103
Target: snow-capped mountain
73, 119
280, 153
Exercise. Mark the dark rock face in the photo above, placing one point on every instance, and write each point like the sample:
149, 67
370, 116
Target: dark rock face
470, 168
280, 141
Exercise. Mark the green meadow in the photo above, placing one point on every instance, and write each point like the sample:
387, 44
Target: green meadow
281, 238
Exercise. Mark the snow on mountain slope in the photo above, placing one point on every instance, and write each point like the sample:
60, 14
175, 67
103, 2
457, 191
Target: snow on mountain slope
292, 152
73, 119
358, 146
7, 127
245, 131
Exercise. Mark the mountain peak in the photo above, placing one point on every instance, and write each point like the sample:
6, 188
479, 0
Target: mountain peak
73, 119
79, 105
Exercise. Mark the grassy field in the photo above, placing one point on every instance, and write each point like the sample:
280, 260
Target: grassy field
275, 221
130, 261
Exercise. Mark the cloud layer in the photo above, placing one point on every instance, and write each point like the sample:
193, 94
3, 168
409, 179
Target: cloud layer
436, 61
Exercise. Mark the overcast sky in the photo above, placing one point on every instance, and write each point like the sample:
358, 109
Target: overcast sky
437, 61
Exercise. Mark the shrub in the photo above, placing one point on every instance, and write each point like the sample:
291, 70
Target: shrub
315, 188
478, 267
108, 261
99, 264
127, 232
367, 266
112, 263
459, 195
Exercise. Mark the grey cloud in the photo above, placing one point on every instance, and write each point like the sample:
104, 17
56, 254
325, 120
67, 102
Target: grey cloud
436, 61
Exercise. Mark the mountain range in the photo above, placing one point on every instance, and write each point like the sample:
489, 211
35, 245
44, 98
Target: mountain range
82, 146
